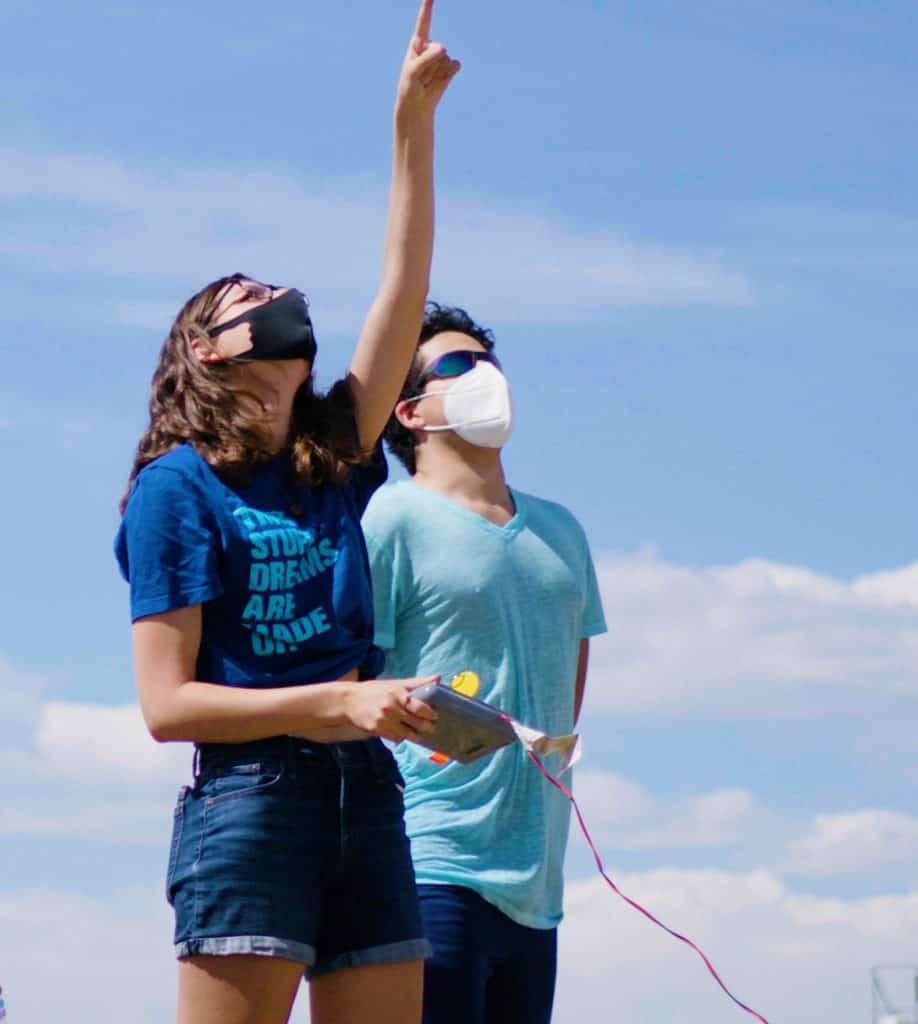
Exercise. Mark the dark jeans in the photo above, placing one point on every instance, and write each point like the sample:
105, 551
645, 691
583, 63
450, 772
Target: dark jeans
485, 968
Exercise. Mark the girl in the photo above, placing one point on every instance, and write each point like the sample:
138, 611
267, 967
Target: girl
253, 628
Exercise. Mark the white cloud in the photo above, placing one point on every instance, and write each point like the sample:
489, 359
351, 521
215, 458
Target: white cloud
895, 586
68, 956
538, 268
855, 843
20, 703
93, 742
65, 956
628, 817
93, 772
791, 956
191, 227
753, 638
86, 771
858, 844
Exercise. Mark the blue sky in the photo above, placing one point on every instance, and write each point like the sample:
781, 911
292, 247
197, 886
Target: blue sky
694, 230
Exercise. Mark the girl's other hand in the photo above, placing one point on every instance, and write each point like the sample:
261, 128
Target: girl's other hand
386, 708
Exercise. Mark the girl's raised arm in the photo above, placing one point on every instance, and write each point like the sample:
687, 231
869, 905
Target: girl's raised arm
389, 337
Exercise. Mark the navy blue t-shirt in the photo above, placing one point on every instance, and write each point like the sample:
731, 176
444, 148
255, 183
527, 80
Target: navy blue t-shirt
280, 568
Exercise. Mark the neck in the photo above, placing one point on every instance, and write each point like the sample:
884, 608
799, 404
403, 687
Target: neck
277, 402
472, 476
277, 421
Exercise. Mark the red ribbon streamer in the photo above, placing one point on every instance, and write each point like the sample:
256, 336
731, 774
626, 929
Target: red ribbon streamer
682, 938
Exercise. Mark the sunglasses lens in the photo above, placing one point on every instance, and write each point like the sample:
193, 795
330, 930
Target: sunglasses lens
454, 364
255, 290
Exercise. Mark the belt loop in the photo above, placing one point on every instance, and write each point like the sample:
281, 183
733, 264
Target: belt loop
196, 762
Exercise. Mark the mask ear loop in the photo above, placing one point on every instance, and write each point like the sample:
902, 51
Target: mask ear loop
201, 334
450, 426
247, 316
234, 279
243, 318
454, 426
430, 394
445, 391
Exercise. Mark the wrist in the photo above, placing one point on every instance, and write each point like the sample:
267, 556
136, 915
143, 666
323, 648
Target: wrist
322, 706
346, 693
412, 121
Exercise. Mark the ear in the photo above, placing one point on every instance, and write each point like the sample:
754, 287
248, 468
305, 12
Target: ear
408, 414
204, 349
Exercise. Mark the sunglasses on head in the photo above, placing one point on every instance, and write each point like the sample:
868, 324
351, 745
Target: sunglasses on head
454, 364
251, 289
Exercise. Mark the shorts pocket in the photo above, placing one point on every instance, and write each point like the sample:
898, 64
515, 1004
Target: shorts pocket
237, 781
178, 824
389, 773
397, 776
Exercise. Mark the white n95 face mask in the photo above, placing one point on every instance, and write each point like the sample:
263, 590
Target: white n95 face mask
477, 407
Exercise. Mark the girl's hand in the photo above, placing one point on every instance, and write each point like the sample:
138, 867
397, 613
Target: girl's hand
385, 708
427, 70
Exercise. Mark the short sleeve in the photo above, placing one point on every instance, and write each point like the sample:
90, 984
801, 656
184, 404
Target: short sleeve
594, 621
168, 544
365, 480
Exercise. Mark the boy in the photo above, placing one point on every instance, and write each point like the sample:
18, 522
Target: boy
469, 575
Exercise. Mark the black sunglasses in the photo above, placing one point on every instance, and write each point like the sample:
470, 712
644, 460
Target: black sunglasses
454, 364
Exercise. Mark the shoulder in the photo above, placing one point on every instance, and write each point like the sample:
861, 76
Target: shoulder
366, 479
168, 514
555, 525
180, 475
183, 462
390, 507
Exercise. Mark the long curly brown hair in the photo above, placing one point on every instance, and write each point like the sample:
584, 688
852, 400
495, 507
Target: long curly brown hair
196, 402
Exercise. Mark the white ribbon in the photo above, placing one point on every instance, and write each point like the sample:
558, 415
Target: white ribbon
569, 747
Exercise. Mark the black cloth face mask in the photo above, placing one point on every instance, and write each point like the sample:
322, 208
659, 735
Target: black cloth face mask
281, 329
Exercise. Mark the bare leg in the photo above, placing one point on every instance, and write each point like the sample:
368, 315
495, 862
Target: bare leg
237, 989
381, 993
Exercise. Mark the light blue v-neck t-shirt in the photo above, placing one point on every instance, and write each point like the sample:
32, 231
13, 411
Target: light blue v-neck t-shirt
454, 592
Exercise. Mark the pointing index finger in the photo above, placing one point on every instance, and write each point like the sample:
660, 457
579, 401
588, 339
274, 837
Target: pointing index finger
425, 14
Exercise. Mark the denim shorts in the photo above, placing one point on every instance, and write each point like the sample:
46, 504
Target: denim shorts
294, 849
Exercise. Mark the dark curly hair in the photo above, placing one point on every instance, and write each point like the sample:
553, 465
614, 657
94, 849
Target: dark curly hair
438, 319
196, 402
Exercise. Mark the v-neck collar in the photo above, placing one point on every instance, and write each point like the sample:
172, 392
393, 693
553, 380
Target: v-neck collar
508, 531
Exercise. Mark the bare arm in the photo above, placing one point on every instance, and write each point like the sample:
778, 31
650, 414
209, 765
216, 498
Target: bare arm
177, 707
582, 662
389, 337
